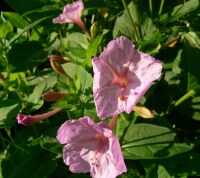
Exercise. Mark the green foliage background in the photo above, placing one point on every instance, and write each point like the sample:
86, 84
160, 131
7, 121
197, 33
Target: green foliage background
166, 146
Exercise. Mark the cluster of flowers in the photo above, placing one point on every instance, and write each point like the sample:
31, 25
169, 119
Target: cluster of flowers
122, 75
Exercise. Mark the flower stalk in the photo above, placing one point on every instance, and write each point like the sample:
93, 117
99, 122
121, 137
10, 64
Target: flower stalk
133, 24
32, 119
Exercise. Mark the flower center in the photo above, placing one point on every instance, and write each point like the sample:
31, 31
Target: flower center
103, 143
123, 82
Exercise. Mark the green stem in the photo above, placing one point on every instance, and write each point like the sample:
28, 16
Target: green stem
128, 12
161, 7
184, 97
61, 43
134, 118
136, 9
150, 7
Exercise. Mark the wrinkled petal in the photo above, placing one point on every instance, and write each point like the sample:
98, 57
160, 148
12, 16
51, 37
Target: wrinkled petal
106, 167
103, 77
146, 68
79, 132
135, 93
105, 161
107, 101
72, 158
71, 13
75, 8
118, 55
116, 153
122, 75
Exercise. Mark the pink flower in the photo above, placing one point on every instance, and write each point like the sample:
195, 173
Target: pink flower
29, 119
71, 14
91, 147
122, 75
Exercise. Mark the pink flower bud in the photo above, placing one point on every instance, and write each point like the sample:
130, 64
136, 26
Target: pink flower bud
32, 119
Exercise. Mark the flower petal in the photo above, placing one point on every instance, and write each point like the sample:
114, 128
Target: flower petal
118, 55
71, 13
73, 9
146, 68
72, 158
116, 152
80, 132
106, 101
103, 77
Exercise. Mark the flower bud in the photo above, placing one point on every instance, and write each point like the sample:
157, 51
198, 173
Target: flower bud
143, 112
53, 96
32, 119
55, 62
93, 30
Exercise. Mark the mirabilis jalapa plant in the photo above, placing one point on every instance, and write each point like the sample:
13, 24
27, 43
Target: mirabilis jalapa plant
122, 75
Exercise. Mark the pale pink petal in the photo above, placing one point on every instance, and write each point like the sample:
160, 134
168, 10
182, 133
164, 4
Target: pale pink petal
74, 8
146, 68
107, 101
72, 158
71, 13
106, 167
115, 151
103, 77
122, 75
134, 92
118, 55
78, 131
106, 161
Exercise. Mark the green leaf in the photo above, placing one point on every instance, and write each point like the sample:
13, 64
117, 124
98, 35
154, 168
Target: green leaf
147, 141
18, 35
24, 6
192, 106
26, 55
192, 53
1, 176
78, 45
80, 76
15, 19
33, 167
180, 11
92, 48
9, 109
122, 124
157, 171
123, 23
182, 165
35, 98
5, 28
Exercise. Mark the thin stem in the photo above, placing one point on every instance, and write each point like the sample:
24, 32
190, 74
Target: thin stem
184, 97
180, 100
150, 7
61, 42
136, 9
134, 118
113, 122
134, 29
161, 7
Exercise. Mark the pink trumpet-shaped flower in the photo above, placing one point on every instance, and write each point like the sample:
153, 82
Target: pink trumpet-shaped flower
122, 75
91, 147
71, 14
32, 119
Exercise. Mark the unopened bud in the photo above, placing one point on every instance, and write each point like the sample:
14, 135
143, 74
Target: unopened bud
58, 68
53, 96
104, 12
93, 30
143, 112
56, 58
